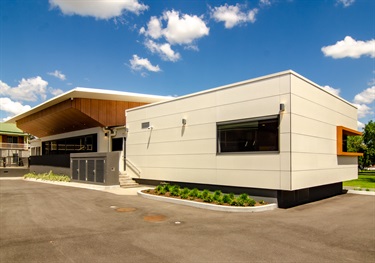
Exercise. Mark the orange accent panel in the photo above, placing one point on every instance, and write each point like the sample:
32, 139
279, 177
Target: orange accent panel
341, 131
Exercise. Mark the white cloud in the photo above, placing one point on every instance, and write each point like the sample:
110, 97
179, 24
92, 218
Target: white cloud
55, 92
100, 9
137, 63
363, 110
154, 28
350, 47
371, 82
232, 15
164, 50
366, 97
57, 74
360, 125
251, 15
345, 3
332, 90
13, 107
181, 29
264, 2
27, 90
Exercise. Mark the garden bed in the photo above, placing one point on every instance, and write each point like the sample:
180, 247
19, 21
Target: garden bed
205, 199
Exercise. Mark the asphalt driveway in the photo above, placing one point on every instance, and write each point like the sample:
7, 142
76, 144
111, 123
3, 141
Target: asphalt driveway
49, 223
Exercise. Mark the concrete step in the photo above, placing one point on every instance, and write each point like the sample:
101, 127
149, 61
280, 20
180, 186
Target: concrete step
129, 185
126, 181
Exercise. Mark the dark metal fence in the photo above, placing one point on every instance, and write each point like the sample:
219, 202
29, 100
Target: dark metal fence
58, 160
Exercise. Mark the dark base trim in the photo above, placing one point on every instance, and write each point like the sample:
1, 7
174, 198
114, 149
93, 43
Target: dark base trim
288, 199
284, 199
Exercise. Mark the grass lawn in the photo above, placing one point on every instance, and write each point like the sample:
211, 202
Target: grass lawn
366, 180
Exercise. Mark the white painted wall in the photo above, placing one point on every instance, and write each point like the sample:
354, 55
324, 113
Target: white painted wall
173, 152
307, 155
315, 116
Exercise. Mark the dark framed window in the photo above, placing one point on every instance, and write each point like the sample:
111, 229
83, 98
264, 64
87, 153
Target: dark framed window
87, 143
249, 135
12, 139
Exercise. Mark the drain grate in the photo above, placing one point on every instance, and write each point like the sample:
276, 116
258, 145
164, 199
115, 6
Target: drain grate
154, 218
125, 209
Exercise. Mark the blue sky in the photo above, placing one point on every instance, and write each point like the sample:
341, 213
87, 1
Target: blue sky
179, 47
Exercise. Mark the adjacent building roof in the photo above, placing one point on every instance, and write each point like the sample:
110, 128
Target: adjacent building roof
81, 108
10, 129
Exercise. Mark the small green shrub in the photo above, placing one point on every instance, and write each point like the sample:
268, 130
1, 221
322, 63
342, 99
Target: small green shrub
50, 176
251, 202
243, 197
226, 199
167, 187
262, 202
185, 191
158, 188
205, 193
193, 193
162, 191
175, 190
208, 198
217, 196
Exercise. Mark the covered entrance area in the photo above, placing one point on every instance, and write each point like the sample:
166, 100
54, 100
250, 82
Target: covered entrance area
81, 133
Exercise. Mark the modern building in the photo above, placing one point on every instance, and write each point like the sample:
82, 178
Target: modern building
14, 150
280, 136
82, 133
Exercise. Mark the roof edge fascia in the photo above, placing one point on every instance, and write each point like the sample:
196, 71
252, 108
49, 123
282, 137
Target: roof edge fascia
75, 93
232, 85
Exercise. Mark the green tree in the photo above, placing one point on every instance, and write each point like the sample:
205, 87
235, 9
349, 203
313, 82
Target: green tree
369, 140
364, 144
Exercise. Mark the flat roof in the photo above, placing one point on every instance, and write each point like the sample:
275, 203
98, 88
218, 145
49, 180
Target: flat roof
90, 93
291, 72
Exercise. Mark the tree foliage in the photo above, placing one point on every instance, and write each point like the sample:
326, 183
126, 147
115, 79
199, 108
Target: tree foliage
364, 144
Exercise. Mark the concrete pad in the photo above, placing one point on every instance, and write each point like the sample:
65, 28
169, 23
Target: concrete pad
53, 223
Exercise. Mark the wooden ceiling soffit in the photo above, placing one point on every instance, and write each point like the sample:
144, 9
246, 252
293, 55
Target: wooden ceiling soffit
59, 122
76, 114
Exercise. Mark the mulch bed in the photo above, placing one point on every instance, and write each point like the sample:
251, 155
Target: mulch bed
168, 194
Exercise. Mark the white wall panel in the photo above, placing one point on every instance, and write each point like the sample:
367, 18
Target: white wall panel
249, 109
251, 161
315, 111
315, 94
203, 176
309, 144
250, 91
244, 178
304, 179
285, 180
285, 142
311, 161
313, 127
196, 161
307, 136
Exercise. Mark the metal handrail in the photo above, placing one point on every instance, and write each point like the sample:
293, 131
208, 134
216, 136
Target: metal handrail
133, 167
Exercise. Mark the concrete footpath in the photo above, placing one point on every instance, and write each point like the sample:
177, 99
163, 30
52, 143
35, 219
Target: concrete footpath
43, 222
